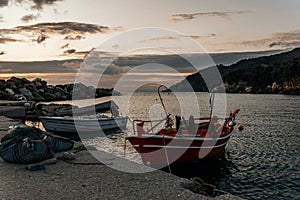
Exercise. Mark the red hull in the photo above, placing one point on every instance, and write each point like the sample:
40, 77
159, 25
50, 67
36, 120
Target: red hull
160, 151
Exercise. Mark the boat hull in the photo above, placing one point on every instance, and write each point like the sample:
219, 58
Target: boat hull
159, 151
72, 125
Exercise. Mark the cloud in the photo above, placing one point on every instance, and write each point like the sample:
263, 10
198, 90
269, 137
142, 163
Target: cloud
41, 38
96, 53
160, 38
41, 31
64, 28
111, 69
65, 46
5, 70
4, 40
115, 46
118, 28
72, 37
82, 53
177, 37
255, 43
201, 36
73, 65
29, 17
293, 35
2, 52
284, 39
38, 4
74, 52
3, 3
69, 51
61, 28
285, 44
34, 4
188, 17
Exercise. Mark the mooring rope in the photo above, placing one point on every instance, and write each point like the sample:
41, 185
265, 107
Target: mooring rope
166, 154
205, 188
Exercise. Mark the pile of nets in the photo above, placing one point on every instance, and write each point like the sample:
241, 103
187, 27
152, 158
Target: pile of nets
26, 145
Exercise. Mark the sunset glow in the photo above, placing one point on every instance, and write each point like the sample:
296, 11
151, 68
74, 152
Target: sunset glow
66, 29
69, 29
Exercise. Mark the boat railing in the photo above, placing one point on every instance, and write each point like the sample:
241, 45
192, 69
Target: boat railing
184, 124
226, 120
150, 122
192, 123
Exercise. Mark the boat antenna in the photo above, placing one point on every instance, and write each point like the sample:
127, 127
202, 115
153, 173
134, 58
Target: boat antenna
161, 100
211, 102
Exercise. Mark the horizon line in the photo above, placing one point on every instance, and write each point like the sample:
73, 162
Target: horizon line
150, 54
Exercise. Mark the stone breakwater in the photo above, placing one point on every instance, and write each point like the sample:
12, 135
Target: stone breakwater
38, 90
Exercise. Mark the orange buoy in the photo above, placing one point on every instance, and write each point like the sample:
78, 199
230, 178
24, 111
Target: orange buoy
240, 126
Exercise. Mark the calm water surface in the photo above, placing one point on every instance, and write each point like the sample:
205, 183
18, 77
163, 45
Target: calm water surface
266, 153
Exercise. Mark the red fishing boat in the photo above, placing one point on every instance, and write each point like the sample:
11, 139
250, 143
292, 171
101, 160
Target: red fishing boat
191, 140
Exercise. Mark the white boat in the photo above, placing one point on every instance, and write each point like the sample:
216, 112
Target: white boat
82, 124
84, 121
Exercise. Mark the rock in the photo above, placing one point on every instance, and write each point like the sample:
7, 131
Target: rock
78, 93
49, 97
44, 83
37, 82
81, 91
20, 97
26, 93
37, 97
102, 92
248, 89
38, 90
17, 81
5, 96
69, 87
59, 88
25, 81
9, 91
2, 84
49, 89
10, 84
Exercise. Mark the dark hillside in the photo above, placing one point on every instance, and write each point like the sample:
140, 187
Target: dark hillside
279, 73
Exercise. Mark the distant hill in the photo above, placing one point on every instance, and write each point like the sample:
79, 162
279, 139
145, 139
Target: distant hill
279, 73
51, 66
175, 61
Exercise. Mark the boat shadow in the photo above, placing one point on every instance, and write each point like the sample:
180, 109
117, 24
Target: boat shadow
89, 135
210, 170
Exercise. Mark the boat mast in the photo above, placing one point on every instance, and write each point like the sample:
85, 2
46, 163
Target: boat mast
211, 102
161, 100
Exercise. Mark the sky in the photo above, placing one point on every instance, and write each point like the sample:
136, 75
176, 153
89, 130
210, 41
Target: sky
32, 30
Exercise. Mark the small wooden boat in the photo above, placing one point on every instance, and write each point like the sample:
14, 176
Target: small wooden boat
191, 140
82, 124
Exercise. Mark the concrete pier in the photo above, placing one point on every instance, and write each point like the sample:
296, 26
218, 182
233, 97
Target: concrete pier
91, 181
